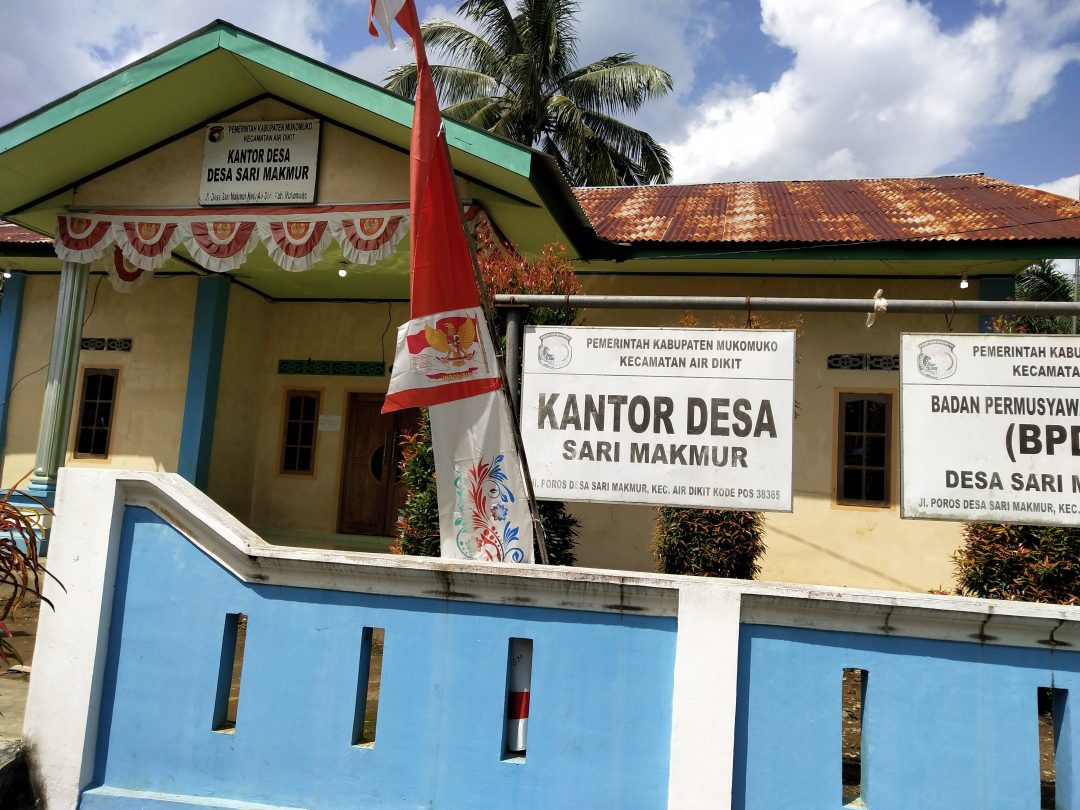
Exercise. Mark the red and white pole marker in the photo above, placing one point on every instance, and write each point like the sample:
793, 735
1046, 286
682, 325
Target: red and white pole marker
517, 711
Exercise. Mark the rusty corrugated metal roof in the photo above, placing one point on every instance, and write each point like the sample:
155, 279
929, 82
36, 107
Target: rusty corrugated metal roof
953, 208
11, 233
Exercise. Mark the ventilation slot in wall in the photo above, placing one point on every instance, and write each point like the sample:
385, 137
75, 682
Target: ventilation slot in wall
1057, 794
230, 670
852, 713
368, 684
518, 690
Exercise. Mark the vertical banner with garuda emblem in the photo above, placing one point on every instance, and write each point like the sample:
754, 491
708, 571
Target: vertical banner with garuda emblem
445, 359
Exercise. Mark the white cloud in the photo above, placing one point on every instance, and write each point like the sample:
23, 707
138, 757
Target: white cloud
52, 48
876, 87
375, 59
672, 36
1065, 186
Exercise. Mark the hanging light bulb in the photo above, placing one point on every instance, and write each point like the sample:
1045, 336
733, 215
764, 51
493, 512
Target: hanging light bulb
342, 271
7, 274
963, 281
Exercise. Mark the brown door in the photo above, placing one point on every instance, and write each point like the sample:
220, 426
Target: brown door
371, 490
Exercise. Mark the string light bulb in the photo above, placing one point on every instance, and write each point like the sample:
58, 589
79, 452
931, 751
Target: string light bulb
341, 270
963, 281
7, 274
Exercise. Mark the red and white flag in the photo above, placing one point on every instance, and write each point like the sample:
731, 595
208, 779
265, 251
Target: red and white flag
445, 359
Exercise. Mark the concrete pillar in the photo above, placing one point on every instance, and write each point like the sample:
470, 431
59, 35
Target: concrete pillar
60, 382
204, 373
10, 315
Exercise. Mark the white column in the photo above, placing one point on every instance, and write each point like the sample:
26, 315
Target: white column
62, 708
60, 382
704, 697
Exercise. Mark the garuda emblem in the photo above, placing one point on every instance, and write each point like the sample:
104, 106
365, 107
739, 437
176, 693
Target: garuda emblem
447, 349
452, 342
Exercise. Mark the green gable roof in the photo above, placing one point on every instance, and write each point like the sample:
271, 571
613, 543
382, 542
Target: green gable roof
221, 67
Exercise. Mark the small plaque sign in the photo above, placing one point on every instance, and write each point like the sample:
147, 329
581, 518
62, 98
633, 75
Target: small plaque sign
262, 162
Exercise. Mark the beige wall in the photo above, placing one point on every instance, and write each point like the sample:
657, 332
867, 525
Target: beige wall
31, 358
244, 366
149, 407
152, 377
352, 169
323, 332
818, 541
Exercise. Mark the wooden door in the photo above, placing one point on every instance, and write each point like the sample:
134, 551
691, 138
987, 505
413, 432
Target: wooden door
371, 490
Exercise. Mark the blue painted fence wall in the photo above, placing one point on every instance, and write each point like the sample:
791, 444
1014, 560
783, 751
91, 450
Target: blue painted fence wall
945, 724
599, 732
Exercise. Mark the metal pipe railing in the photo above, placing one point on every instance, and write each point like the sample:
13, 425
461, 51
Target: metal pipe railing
767, 304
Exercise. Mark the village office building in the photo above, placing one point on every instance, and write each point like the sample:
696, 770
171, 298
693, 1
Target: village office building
238, 329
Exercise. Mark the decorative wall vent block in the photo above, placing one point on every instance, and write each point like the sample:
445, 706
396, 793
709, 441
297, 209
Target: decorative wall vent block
106, 344
333, 368
863, 362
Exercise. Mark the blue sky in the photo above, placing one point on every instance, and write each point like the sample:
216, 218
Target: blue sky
776, 89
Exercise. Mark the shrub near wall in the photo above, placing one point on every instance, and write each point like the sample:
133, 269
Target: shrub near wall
709, 542
712, 542
1012, 561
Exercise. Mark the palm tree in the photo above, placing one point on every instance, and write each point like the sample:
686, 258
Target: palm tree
517, 78
1041, 282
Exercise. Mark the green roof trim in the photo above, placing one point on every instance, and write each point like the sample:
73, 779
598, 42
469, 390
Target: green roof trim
108, 88
262, 67
925, 250
508, 176
504, 153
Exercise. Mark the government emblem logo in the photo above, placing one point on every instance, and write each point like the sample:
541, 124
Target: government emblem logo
937, 360
554, 351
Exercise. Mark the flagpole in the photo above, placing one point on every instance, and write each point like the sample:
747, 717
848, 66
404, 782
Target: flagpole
508, 394
433, 188
515, 425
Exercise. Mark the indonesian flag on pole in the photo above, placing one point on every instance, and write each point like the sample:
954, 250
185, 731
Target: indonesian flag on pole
445, 359
444, 352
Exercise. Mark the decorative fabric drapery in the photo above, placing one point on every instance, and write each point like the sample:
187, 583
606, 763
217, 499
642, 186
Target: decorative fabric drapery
220, 239
123, 275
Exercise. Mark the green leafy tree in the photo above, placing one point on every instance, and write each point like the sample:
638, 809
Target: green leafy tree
517, 77
418, 523
1040, 281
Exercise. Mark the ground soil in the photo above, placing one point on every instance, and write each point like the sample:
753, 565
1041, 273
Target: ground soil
14, 681
22, 623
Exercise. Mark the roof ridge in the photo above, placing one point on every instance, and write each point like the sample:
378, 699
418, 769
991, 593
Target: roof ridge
587, 189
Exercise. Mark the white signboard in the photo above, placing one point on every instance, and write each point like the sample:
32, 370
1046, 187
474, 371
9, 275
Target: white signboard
990, 428
272, 162
675, 417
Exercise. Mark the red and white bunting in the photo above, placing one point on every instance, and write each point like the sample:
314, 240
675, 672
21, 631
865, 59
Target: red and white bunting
222, 240
365, 239
123, 275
